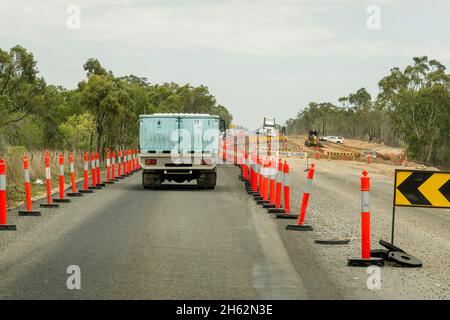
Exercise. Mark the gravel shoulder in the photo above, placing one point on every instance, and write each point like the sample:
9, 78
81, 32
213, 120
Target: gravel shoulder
334, 213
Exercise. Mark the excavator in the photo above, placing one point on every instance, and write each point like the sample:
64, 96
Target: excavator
313, 140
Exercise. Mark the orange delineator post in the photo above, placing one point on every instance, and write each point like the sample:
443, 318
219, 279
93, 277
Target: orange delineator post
286, 188
97, 167
61, 181
272, 183
260, 177
93, 171
28, 202
48, 183
108, 166
129, 162
86, 188
306, 193
125, 162
72, 173
301, 226
74, 192
269, 185
279, 185
246, 170
3, 225
266, 180
119, 165
365, 216
284, 184
366, 259
113, 166
252, 173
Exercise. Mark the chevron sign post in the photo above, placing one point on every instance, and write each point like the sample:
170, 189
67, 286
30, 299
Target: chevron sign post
415, 188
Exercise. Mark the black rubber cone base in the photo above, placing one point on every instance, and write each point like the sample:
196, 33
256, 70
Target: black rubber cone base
101, 185
61, 200
379, 253
8, 227
87, 191
120, 178
49, 205
33, 213
74, 194
299, 227
94, 188
332, 241
108, 182
404, 260
389, 246
286, 216
268, 205
359, 262
262, 202
276, 210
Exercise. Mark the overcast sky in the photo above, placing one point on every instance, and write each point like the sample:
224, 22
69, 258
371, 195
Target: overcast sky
259, 58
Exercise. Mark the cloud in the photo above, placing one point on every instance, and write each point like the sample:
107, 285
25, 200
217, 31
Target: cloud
244, 27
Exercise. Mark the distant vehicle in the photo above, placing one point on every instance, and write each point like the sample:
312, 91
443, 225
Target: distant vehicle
266, 131
334, 139
161, 134
268, 128
269, 122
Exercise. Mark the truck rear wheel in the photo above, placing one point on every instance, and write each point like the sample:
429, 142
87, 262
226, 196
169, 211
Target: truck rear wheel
151, 180
207, 180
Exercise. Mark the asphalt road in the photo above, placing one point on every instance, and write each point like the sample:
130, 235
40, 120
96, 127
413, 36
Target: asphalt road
184, 243
174, 243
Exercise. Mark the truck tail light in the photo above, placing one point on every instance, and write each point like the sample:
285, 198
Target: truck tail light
150, 162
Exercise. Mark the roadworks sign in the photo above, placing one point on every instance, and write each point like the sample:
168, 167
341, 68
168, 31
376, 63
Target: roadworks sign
415, 188
290, 154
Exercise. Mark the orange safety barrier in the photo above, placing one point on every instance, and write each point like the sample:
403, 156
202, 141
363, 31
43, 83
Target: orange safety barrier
29, 205
74, 192
113, 166
366, 260
62, 192
48, 183
86, 188
3, 218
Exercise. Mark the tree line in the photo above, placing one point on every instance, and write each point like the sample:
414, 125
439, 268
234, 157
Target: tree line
412, 110
102, 112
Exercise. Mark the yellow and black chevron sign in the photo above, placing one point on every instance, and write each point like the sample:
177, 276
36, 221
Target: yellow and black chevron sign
415, 188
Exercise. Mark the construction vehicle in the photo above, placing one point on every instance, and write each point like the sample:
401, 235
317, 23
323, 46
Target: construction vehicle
268, 128
313, 140
179, 147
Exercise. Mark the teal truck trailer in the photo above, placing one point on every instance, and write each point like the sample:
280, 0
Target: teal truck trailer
179, 147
